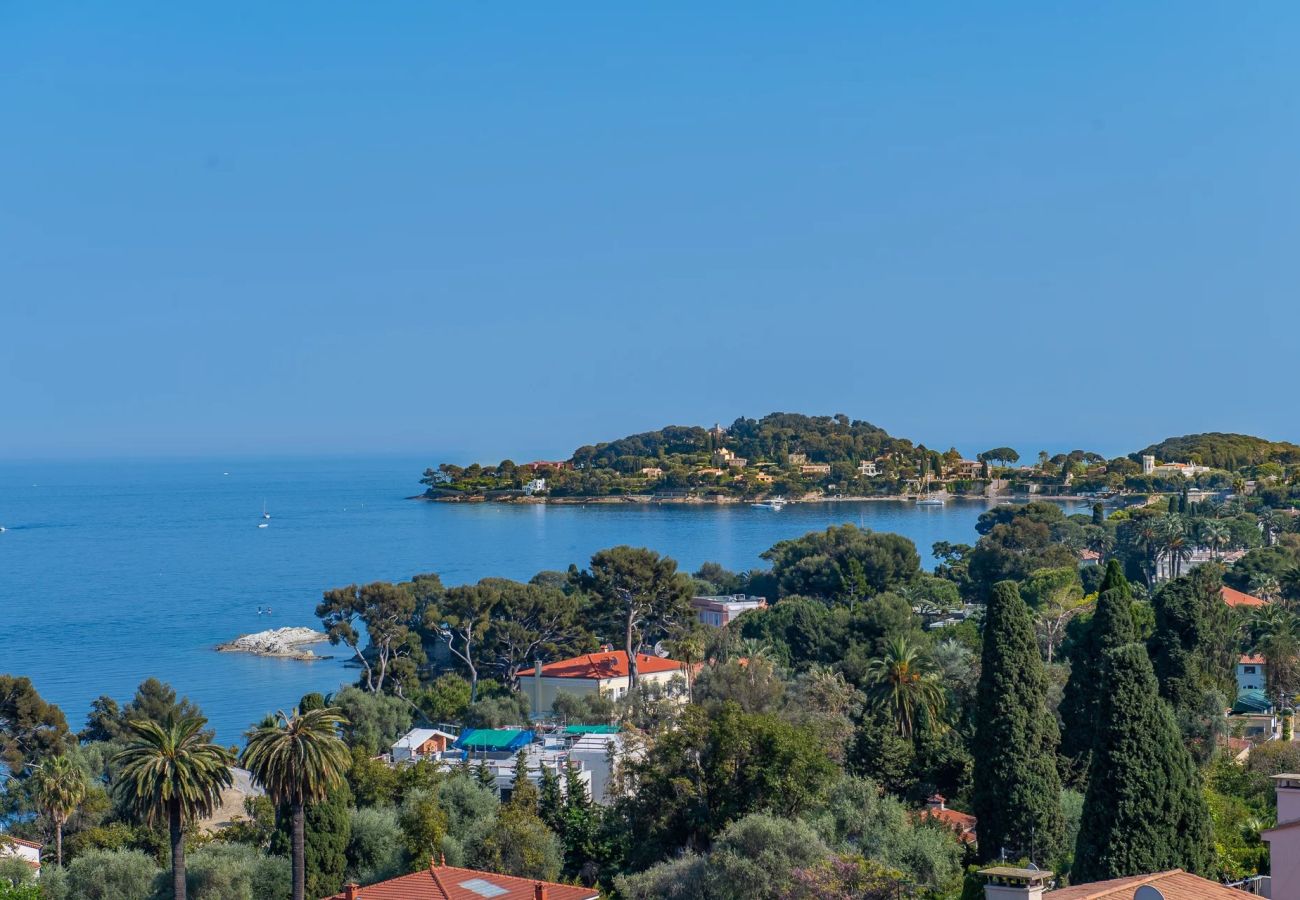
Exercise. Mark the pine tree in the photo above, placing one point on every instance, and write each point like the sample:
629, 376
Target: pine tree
1017, 789
523, 793
1144, 810
484, 776
1111, 626
550, 805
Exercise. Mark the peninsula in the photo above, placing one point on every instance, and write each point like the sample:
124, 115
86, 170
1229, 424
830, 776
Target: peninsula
814, 458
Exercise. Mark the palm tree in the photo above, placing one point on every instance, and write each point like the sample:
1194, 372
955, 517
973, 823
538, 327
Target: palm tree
298, 759
1274, 633
901, 680
1216, 535
168, 771
1265, 586
1173, 543
60, 788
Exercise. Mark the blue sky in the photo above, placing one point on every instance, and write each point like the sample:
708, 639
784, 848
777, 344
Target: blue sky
507, 229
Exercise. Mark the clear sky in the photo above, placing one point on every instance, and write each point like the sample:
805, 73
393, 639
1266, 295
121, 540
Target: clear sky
506, 229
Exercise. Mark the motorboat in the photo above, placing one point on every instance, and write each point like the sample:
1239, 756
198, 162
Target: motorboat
776, 504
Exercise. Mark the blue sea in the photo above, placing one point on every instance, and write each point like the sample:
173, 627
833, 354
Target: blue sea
111, 572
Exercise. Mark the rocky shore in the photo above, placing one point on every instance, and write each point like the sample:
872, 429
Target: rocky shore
285, 643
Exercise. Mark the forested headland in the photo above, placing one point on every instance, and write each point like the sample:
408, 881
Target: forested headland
809, 457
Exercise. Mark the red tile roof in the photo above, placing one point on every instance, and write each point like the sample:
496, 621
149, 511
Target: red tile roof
1237, 598
9, 838
1174, 885
960, 822
451, 883
612, 664
1253, 660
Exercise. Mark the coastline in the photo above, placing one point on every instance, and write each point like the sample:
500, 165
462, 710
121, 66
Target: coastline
652, 500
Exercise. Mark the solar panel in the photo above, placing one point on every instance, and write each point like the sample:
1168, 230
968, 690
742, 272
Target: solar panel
483, 888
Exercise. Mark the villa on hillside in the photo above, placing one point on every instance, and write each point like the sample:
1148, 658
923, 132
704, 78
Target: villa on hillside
1187, 470
720, 610
963, 824
605, 673
724, 457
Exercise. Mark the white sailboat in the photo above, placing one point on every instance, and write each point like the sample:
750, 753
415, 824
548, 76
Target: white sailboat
265, 514
930, 498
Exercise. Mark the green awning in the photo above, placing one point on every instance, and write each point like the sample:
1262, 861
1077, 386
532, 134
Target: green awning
1252, 700
592, 729
494, 739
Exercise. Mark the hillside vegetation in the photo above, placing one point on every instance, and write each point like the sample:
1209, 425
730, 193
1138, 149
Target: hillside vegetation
1222, 450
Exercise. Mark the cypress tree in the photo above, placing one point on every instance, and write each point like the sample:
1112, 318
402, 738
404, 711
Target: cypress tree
1114, 580
1144, 810
1111, 626
1017, 789
1191, 627
1098, 514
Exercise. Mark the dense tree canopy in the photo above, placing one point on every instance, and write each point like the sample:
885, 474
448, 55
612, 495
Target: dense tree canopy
1016, 789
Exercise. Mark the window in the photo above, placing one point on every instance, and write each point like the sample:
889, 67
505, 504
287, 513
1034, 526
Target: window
1250, 670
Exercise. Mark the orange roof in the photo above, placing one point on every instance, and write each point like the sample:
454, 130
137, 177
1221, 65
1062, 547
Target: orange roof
451, 883
611, 664
1237, 598
1174, 884
1253, 660
962, 823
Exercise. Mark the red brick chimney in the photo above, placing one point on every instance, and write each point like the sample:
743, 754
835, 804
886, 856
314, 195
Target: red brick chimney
351, 891
539, 891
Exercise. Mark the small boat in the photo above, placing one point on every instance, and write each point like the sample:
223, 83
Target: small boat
263, 524
776, 504
265, 514
929, 500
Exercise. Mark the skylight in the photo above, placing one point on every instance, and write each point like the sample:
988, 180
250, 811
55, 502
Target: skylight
483, 888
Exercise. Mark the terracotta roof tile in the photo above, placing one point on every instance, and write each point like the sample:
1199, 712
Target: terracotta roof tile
1237, 598
611, 664
1174, 884
451, 883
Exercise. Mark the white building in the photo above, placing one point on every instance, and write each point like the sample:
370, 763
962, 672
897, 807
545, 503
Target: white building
868, 469
421, 743
536, 486
1187, 470
596, 673
28, 851
1251, 673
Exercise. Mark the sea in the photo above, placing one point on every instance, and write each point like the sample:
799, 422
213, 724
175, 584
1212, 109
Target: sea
115, 571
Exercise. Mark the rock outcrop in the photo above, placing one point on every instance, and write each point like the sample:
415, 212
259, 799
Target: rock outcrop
288, 643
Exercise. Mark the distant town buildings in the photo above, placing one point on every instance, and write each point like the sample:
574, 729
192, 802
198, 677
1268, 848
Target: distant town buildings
1187, 470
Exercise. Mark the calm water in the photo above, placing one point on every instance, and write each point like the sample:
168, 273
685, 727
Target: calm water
111, 572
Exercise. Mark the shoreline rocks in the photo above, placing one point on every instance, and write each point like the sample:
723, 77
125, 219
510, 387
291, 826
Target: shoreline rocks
283, 643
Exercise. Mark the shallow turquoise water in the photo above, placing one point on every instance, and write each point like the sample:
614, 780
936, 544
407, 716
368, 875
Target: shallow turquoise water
114, 571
